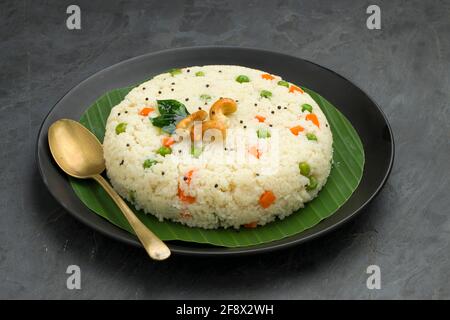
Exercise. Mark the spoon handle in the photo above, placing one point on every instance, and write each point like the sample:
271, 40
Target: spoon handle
156, 249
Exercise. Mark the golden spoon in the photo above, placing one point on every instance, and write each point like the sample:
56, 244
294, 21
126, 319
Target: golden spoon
79, 154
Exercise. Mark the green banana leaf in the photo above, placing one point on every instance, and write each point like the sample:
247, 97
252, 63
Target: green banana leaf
346, 173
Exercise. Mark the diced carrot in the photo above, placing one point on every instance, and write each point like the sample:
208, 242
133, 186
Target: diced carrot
260, 118
146, 111
168, 141
293, 88
185, 198
296, 130
254, 152
188, 177
266, 199
313, 118
267, 76
251, 225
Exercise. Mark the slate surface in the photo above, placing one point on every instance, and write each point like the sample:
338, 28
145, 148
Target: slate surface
404, 67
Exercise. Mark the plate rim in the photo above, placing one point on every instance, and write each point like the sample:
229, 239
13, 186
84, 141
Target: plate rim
213, 250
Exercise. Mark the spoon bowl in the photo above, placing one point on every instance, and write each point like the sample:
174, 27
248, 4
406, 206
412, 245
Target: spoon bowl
79, 154
76, 150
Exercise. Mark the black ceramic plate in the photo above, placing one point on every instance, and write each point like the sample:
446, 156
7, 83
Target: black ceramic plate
366, 117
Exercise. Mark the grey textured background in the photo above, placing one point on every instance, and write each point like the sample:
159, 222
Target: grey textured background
405, 67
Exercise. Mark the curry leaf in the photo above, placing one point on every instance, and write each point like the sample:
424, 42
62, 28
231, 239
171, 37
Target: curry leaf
171, 112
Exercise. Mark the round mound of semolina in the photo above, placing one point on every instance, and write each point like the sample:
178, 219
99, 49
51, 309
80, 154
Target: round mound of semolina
276, 155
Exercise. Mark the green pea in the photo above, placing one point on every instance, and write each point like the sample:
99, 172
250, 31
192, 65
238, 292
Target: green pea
196, 151
164, 151
307, 107
312, 184
311, 136
199, 74
121, 127
263, 133
205, 97
242, 79
174, 72
148, 163
266, 94
132, 195
305, 170
283, 83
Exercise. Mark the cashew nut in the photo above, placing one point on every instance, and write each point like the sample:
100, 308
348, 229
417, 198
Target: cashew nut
217, 115
187, 122
221, 108
209, 125
217, 118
